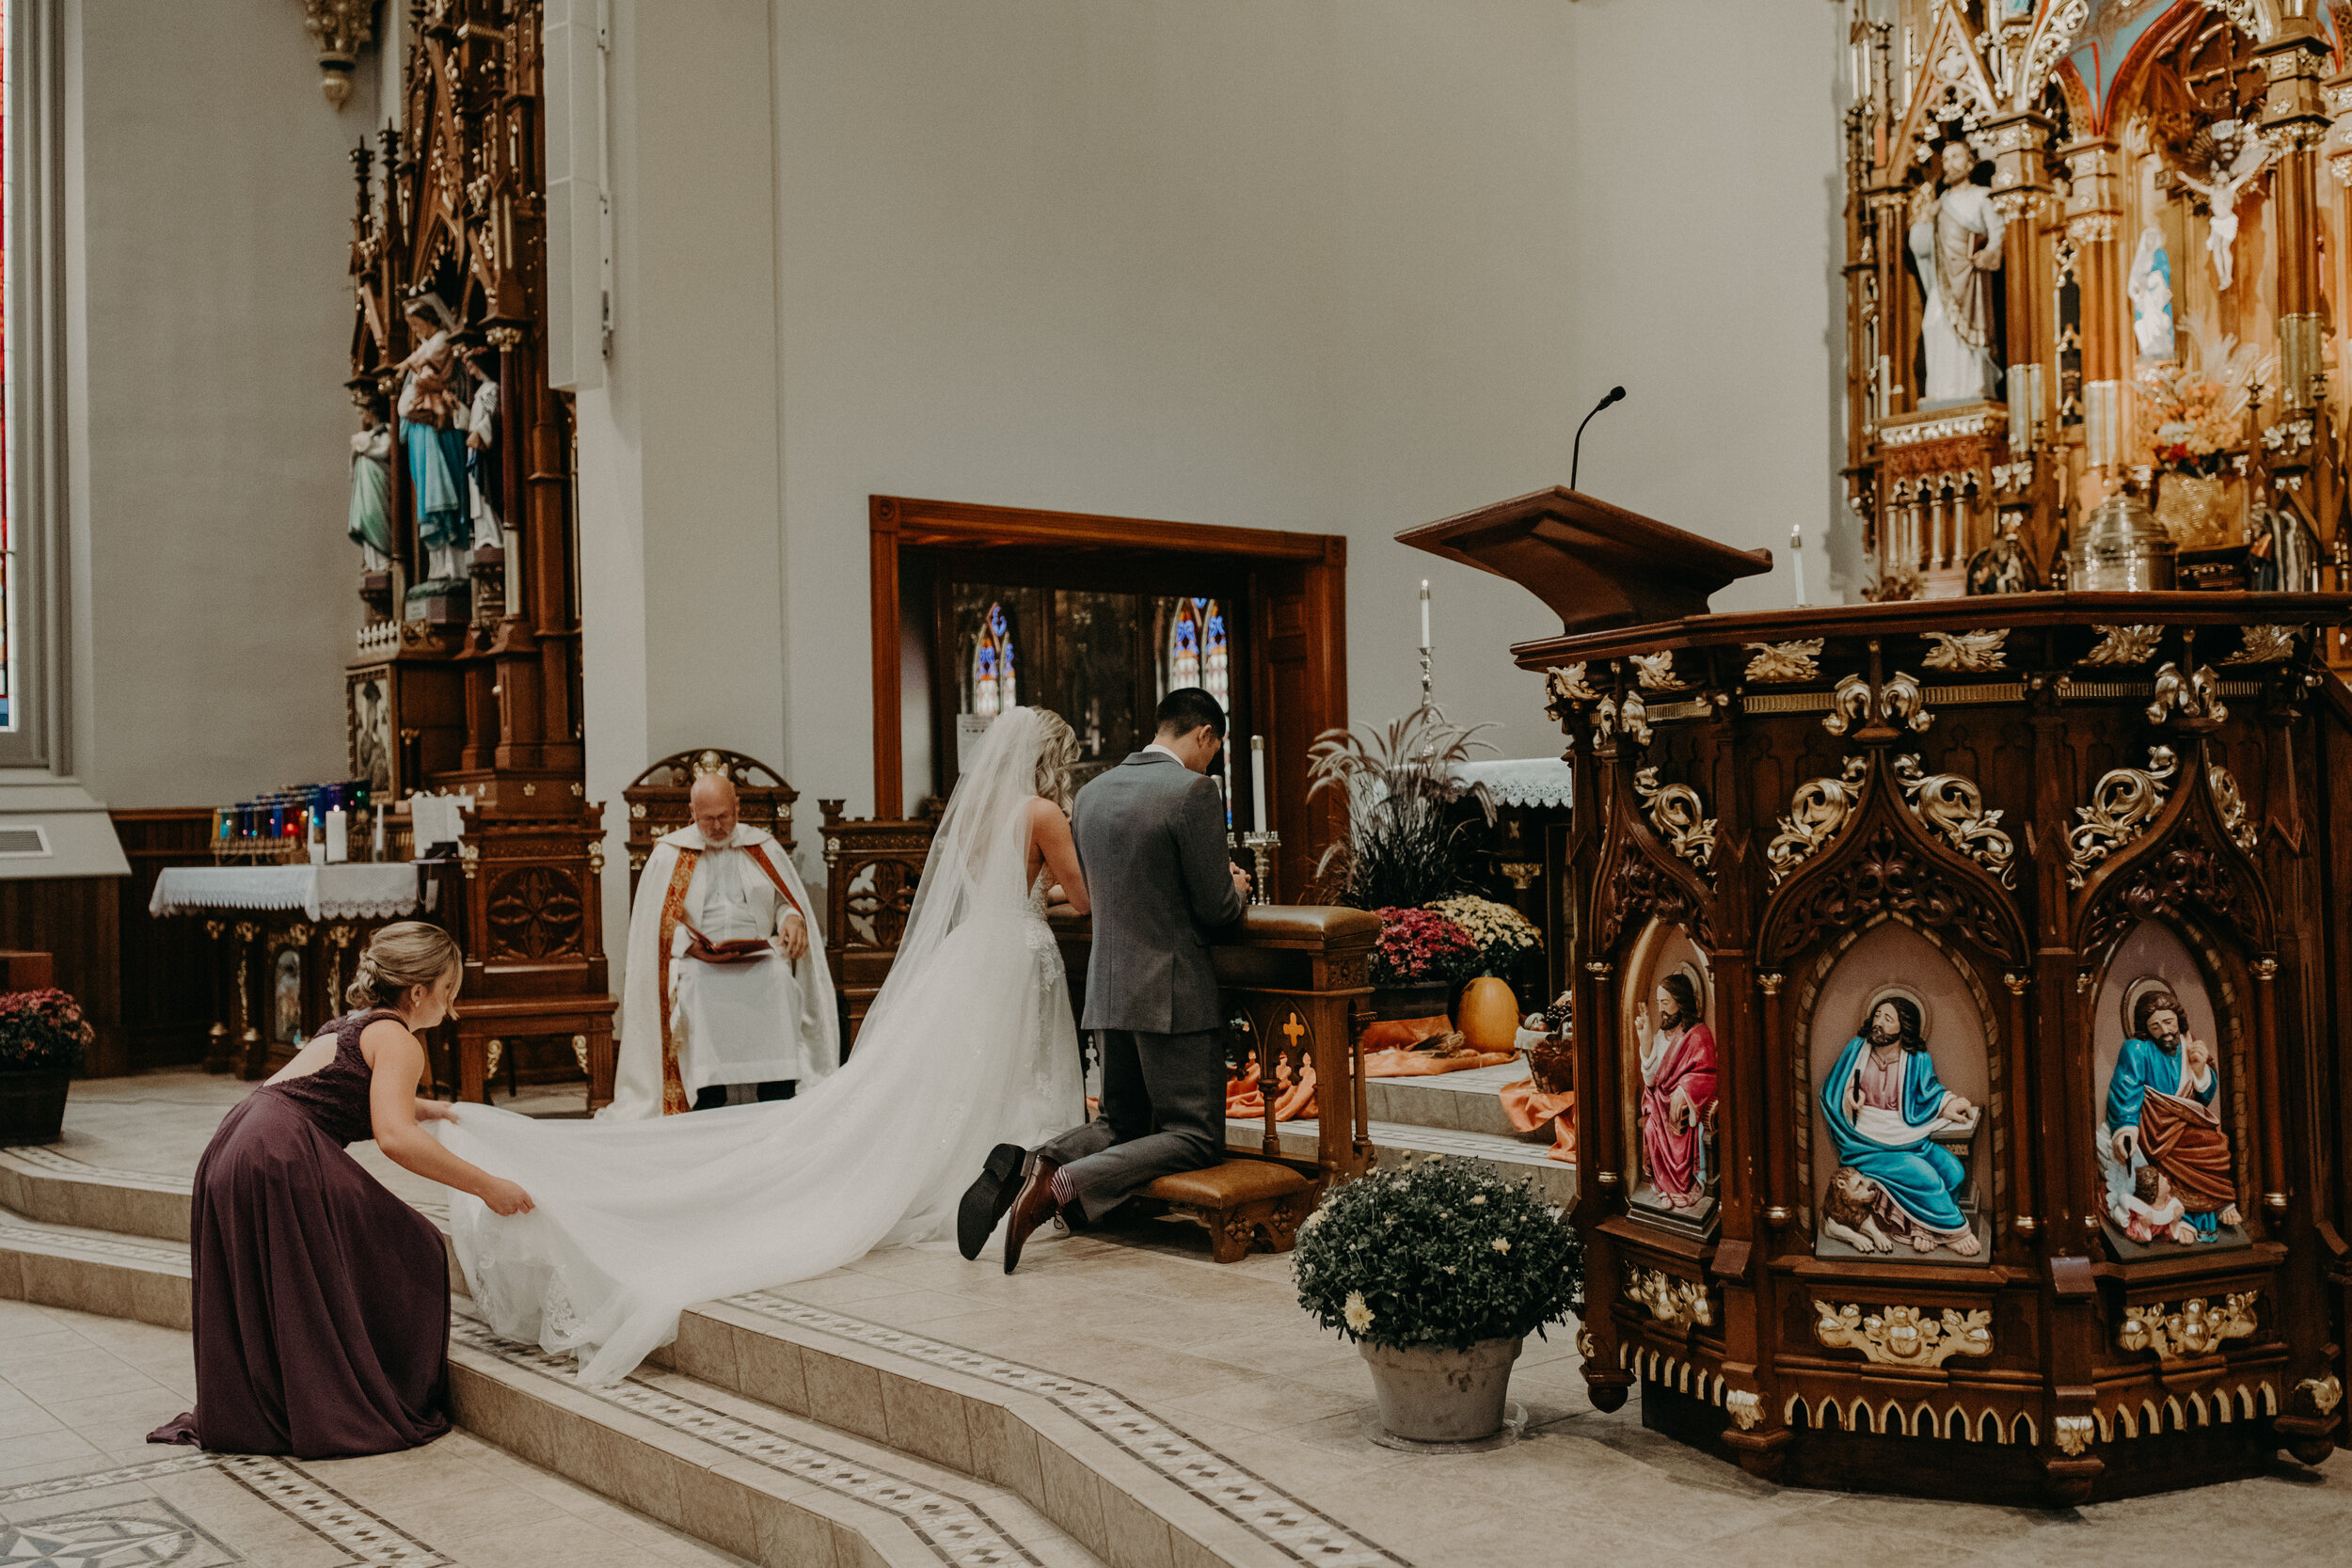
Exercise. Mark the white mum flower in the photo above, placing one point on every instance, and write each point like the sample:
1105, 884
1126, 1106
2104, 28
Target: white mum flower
1502, 1244
1359, 1316
1478, 1200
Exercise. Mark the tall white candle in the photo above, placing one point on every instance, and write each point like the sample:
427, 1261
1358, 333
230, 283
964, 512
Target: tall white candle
376, 842
1261, 808
1796, 559
338, 836
1424, 614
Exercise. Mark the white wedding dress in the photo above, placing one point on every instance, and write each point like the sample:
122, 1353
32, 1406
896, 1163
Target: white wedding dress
970, 1044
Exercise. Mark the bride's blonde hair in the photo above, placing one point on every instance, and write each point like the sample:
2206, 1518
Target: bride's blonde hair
1056, 756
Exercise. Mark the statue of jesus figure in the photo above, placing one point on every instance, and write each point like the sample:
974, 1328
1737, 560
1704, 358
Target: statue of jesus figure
1956, 244
1883, 1105
1677, 1086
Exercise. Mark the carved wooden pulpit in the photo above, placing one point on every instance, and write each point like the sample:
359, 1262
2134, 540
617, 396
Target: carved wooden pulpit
1961, 1111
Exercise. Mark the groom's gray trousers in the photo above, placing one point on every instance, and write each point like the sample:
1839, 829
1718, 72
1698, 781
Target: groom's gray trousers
1177, 1081
1151, 836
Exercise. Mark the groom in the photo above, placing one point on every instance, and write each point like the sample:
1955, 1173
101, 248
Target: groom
1151, 836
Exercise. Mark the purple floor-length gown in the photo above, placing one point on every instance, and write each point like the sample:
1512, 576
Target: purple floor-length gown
321, 1301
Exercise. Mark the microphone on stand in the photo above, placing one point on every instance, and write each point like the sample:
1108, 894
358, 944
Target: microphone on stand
1577, 454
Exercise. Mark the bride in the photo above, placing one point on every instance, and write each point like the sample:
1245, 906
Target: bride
970, 1044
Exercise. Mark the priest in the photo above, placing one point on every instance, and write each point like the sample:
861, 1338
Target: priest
725, 985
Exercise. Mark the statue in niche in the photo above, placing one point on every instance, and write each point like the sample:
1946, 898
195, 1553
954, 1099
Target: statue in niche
2282, 555
1887, 1115
1955, 243
369, 521
2229, 154
433, 414
1679, 1078
2003, 567
2162, 1152
2150, 289
482, 447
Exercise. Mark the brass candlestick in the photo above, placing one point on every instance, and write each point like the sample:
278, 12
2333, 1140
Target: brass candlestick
1262, 847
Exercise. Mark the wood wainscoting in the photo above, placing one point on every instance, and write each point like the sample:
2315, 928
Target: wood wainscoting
167, 965
1292, 587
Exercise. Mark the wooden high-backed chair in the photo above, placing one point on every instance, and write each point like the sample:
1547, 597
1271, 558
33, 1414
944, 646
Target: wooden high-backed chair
872, 867
656, 801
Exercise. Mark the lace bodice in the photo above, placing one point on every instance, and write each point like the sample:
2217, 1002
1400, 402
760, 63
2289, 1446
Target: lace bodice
336, 1096
1036, 893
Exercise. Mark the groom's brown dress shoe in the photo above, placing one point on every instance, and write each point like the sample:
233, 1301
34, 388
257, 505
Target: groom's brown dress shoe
1033, 1208
986, 1200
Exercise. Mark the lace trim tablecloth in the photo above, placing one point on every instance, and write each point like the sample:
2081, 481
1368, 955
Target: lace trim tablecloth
1519, 780
374, 892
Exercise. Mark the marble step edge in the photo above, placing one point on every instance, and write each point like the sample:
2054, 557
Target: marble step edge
46, 1185
732, 1473
1124, 1485
1438, 1103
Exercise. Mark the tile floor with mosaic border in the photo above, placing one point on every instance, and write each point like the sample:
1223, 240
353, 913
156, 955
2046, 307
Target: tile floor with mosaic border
1202, 1360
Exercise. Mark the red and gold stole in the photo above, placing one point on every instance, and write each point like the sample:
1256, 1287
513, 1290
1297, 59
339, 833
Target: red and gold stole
672, 911
760, 856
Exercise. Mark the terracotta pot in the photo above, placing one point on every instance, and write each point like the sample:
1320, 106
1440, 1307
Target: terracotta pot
1488, 1015
1432, 1395
32, 1106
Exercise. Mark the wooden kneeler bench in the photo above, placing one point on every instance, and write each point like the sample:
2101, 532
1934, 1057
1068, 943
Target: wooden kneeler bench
1240, 1203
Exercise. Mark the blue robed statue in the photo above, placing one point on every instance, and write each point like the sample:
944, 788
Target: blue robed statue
1884, 1105
2161, 1145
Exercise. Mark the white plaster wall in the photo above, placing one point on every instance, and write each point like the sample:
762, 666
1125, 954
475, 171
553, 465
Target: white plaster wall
1331, 266
213, 202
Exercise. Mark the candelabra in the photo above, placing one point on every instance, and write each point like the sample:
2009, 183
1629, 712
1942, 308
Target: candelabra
1261, 847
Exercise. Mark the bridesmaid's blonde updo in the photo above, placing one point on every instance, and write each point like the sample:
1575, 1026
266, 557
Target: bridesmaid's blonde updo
405, 953
1056, 755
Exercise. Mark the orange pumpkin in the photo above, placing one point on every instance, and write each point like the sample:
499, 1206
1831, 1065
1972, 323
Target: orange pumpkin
1488, 1015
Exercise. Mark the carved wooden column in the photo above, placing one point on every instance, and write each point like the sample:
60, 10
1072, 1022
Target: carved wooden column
2093, 210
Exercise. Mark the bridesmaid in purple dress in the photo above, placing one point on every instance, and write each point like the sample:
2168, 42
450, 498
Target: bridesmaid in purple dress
321, 1301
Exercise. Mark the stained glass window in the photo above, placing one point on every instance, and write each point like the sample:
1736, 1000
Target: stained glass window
1184, 644
994, 684
1217, 661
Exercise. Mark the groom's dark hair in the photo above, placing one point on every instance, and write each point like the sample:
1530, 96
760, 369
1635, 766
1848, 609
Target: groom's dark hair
1187, 708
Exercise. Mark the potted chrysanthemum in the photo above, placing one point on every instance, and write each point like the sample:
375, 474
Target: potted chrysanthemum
1489, 1011
1417, 960
43, 1038
1439, 1272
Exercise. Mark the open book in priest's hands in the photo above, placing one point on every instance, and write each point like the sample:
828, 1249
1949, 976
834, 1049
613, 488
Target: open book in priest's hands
734, 950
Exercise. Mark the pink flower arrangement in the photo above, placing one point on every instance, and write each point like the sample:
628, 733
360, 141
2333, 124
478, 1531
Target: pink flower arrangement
1420, 947
42, 1030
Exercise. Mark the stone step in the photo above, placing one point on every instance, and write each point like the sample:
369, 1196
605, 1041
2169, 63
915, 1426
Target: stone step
1392, 1142
1455, 1102
788, 1433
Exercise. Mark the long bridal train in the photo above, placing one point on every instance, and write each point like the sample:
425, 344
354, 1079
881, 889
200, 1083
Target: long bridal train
970, 1044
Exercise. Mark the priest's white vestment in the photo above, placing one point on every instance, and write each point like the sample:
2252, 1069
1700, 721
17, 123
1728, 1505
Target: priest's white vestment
685, 1023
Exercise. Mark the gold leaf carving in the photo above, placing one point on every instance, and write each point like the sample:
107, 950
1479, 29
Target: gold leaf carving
2125, 801
2194, 696
2231, 805
1969, 652
1680, 816
1952, 807
1904, 1335
1745, 1406
1671, 1300
2074, 1434
1818, 809
1785, 661
2265, 645
2198, 1328
2124, 645
1657, 672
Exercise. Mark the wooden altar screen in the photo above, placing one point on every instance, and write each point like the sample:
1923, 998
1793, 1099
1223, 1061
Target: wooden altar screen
2061, 873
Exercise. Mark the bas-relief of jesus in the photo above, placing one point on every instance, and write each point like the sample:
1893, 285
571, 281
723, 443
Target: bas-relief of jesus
1678, 1059
2161, 1148
1883, 1105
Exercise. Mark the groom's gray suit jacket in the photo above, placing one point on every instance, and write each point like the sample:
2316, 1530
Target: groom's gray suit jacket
1151, 836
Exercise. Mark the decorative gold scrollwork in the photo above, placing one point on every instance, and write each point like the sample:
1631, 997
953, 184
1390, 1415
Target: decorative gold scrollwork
2325, 1393
492, 1053
1671, 1300
2198, 1328
1745, 1406
2123, 804
1634, 719
2072, 1432
1951, 806
1564, 684
1785, 661
2195, 697
1904, 1335
1818, 809
1680, 816
2265, 645
1967, 652
2124, 645
580, 1051
2231, 805
1900, 704
1655, 672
